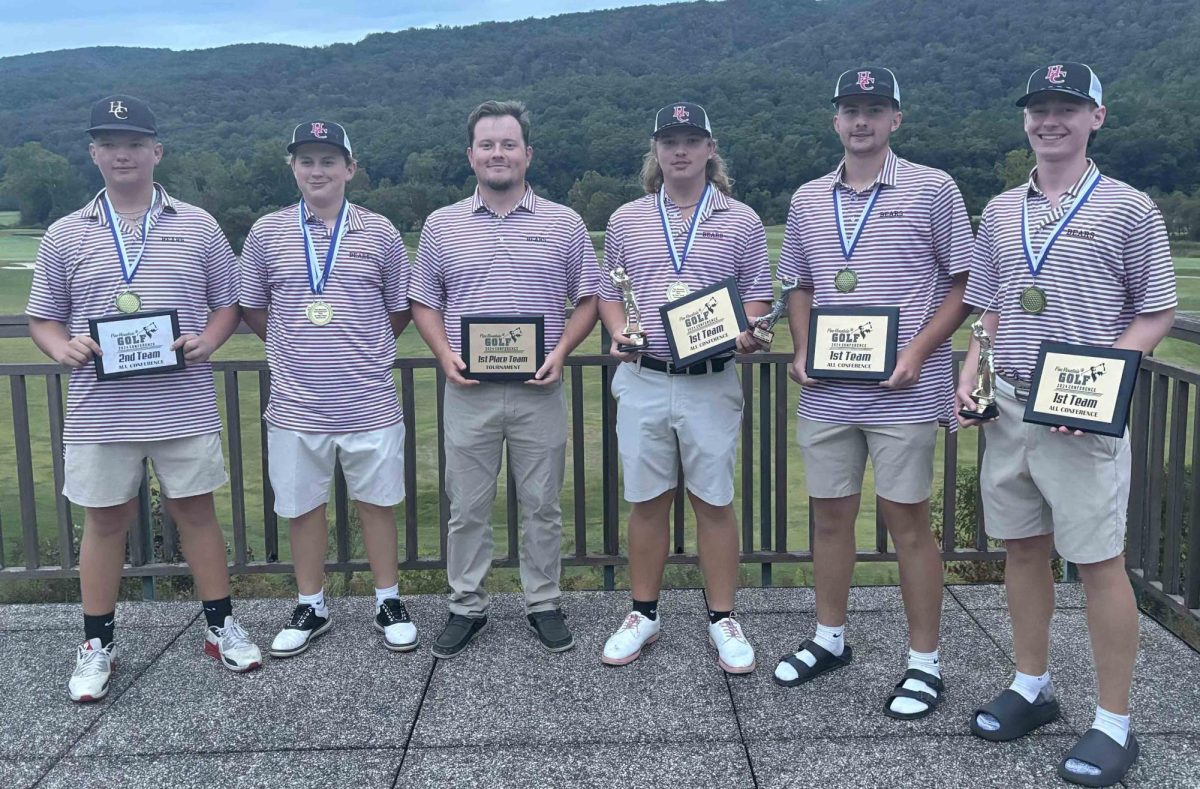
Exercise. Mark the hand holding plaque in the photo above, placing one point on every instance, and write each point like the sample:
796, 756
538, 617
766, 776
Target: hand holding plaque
852, 343
503, 347
136, 344
633, 316
764, 326
1083, 387
984, 393
705, 323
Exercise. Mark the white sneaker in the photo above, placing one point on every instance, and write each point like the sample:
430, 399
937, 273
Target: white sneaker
734, 653
231, 646
93, 667
625, 645
399, 633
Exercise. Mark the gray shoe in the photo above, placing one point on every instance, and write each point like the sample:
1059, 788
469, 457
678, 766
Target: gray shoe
457, 633
551, 629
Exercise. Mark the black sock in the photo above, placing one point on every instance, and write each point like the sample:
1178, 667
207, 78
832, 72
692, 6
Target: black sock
100, 627
647, 608
717, 616
215, 611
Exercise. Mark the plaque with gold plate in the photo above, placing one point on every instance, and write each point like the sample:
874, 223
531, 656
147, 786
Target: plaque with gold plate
852, 343
503, 347
705, 323
1083, 387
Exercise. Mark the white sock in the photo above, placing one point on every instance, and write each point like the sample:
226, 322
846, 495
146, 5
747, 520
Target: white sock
831, 639
317, 601
385, 594
1112, 724
1030, 686
1115, 726
922, 661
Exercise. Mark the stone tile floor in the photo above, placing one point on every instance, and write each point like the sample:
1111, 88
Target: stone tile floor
505, 714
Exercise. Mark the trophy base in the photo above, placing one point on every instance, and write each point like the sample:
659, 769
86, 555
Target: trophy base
991, 411
637, 343
763, 336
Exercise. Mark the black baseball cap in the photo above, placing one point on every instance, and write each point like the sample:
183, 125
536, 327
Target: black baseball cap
122, 113
867, 81
320, 131
1074, 79
681, 114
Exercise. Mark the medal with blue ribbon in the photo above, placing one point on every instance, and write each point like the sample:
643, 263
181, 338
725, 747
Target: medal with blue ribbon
846, 280
679, 288
127, 301
1033, 298
320, 312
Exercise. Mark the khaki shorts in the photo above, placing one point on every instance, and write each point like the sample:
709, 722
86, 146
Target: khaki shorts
1034, 482
302, 467
835, 457
662, 419
105, 475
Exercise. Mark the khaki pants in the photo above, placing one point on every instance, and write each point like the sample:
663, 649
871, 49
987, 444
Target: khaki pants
478, 420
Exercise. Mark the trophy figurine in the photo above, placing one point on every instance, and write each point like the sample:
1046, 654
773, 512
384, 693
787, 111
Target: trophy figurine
762, 331
633, 316
984, 393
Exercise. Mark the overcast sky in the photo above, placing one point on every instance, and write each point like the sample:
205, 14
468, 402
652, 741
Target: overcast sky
68, 24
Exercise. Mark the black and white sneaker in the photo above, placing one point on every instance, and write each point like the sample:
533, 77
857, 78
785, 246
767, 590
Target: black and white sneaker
399, 632
304, 626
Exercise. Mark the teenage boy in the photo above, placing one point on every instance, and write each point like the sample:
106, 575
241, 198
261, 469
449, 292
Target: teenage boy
324, 284
134, 249
881, 231
1078, 257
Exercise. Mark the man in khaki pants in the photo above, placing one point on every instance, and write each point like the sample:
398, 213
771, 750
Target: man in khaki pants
503, 251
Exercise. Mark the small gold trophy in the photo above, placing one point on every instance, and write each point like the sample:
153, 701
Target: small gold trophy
633, 316
984, 393
763, 326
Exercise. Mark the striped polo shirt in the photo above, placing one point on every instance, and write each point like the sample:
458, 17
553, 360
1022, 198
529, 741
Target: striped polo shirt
531, 261
1111, 263
917, 236
335, 378
729, 242
187, 266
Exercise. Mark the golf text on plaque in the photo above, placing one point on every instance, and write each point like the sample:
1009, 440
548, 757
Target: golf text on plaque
137, 344
852, 343
1083, 387
503, 347
704, 324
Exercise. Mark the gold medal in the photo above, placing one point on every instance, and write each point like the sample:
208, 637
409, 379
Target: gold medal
677, 290
845, 280
1033, 300
319, 313
128, 302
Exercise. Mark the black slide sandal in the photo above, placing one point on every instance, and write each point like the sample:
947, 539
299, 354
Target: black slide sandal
1099, 750
1017, 717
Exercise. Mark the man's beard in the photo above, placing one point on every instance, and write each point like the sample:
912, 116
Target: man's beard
500, 184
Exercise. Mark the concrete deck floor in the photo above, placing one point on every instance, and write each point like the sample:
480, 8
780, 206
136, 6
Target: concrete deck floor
506, 714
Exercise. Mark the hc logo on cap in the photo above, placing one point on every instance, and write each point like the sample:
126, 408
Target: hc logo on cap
1056, 75
318, 131
866, 81
117, 110
681, 114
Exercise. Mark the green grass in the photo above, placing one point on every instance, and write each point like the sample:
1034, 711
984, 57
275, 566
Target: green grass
14, 285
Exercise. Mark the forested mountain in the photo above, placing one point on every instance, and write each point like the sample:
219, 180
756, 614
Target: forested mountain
763, 68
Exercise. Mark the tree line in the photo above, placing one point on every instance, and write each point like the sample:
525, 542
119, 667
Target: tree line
764, 69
